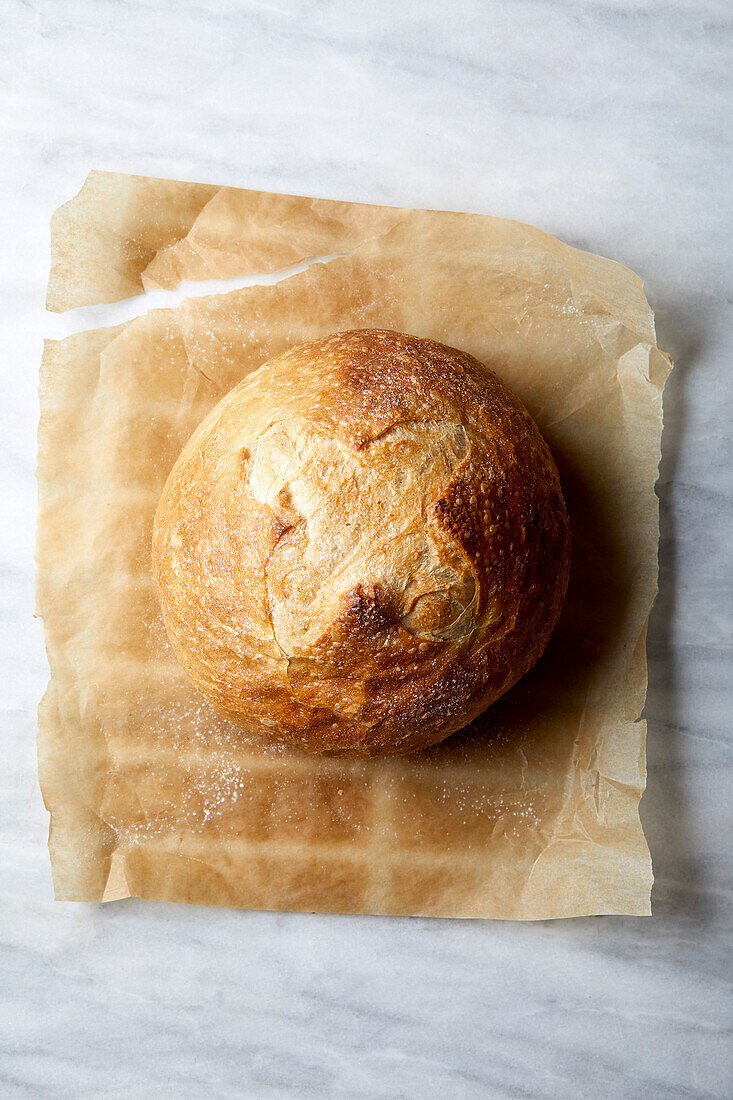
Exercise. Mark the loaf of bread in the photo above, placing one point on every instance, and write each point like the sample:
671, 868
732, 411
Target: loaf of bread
362, 546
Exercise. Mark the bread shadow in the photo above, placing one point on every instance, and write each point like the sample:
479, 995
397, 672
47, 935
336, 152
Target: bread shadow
546, 705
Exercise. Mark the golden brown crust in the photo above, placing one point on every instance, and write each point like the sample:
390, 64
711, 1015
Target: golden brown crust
362, 546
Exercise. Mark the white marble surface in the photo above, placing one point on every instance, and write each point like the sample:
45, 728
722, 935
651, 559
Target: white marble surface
603, 122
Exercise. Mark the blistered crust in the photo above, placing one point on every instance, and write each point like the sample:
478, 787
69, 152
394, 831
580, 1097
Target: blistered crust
362, 546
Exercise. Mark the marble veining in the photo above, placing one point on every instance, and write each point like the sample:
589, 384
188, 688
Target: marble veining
603, 121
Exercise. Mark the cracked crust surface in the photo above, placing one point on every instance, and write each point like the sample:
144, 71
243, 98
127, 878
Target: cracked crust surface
362, 546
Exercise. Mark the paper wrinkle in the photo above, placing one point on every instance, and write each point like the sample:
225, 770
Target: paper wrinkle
148, 279
533, 811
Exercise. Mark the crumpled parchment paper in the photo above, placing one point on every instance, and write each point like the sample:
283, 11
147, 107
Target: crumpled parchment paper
531, 812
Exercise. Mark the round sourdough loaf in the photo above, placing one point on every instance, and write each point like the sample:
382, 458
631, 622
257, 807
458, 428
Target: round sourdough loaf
362, 546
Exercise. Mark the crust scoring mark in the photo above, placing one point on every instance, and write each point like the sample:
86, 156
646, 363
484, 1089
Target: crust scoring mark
351, 519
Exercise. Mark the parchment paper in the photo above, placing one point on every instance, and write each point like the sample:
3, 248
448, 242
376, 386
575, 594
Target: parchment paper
533, 811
